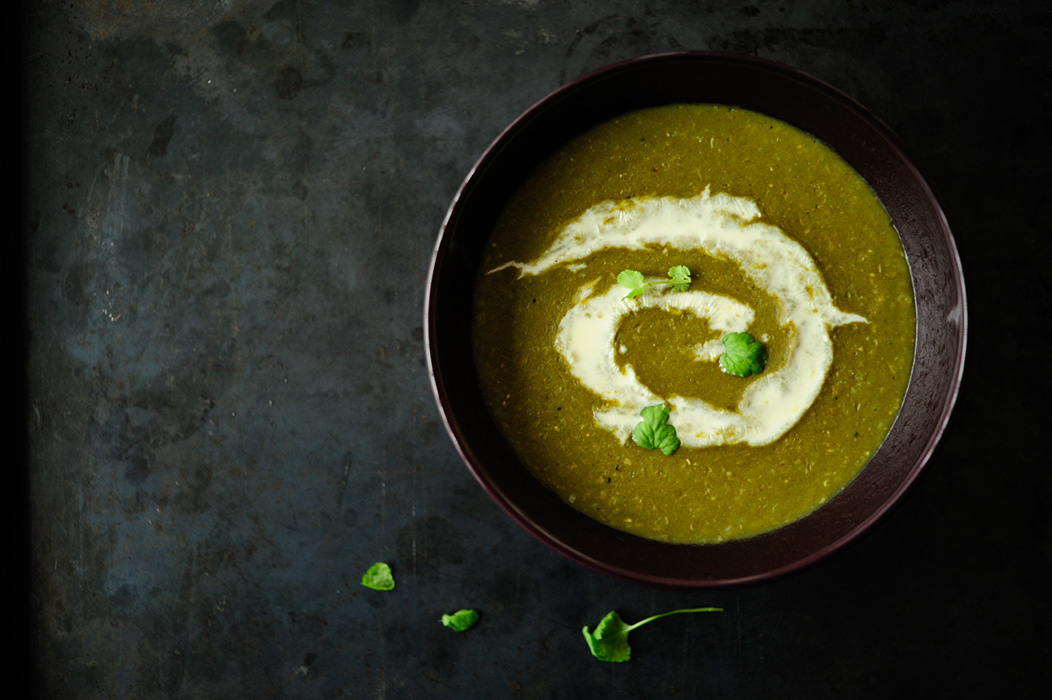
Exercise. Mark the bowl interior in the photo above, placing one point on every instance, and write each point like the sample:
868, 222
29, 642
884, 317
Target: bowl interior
777, 91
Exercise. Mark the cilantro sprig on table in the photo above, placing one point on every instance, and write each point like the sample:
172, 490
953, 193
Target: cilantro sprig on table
655, 432
461, 620
609, 642
633, 280
379, 577
743, 355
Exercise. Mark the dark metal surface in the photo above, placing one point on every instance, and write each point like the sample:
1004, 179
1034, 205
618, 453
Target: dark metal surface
230, 209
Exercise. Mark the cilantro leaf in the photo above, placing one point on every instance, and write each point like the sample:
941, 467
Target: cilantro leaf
461, 620
744, 355
378, 577
633, 280
609, 642
654, 432
680, 278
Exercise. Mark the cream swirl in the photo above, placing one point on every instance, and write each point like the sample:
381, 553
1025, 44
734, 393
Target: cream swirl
722, 226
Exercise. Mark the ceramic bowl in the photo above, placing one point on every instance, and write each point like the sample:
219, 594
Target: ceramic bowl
772, 89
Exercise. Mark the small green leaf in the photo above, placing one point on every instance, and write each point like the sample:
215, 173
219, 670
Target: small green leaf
609, 642
654, 432
680, 276
743, 355
461, 620
631, 279
378, 577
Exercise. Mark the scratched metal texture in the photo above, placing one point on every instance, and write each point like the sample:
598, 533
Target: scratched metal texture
230, 209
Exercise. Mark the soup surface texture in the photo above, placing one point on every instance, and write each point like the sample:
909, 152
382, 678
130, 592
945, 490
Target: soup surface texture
783, 240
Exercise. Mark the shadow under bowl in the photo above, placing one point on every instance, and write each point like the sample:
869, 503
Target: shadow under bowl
777, 91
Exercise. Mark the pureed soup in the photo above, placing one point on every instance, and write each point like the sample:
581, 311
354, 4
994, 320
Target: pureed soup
783, 240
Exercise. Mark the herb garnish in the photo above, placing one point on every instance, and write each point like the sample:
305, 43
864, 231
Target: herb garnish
461, 620
609, 642
744, 355
378, 577
654, 432
678, 277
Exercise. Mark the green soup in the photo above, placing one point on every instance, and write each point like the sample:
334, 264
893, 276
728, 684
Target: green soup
557, 417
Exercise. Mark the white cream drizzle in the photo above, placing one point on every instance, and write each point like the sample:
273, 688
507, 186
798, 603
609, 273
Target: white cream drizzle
723, 226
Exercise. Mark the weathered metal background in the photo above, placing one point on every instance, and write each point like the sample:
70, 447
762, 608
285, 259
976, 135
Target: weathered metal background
231, 206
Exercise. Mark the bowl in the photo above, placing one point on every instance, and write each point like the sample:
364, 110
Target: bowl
801, 101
